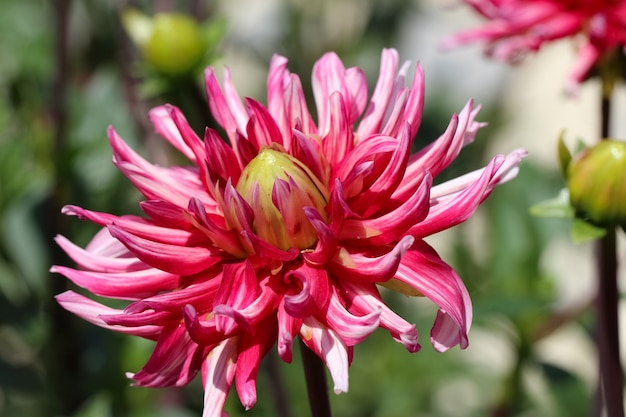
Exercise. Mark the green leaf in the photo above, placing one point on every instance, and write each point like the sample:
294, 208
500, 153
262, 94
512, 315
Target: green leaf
582, 231
558, 207
565, 156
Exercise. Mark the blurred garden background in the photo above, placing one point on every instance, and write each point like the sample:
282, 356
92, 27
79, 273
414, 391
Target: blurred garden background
69, 68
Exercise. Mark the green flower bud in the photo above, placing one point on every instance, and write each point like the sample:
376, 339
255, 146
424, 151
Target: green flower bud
597, 183
171, 42
279, 218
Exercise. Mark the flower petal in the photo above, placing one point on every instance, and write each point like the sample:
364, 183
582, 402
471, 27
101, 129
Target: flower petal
328, 346
91, 311
422, 269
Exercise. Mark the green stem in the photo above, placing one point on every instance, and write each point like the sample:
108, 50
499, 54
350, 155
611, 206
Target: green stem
611, 380
315, 375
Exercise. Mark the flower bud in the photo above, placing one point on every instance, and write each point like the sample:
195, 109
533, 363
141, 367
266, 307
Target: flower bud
597, 183
171, 42
278, 187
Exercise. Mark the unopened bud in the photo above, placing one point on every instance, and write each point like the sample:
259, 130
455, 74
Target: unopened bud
597, 183
279, 187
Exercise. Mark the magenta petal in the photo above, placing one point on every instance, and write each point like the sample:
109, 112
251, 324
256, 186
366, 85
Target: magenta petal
262, 130
422, 269
139, 227
314, 294
288, 328
92, 311
350, 328
175, 259
237, 290
174, 362
248, 316
357, 267
125, 285
119, 261
252, 348
165, 126
218, 372
325, 343
365, 299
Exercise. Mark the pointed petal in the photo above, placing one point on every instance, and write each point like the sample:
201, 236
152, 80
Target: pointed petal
328, 346
314, 294
350, 328
175, 360
125, 285
91, 311
364, 299
180, 260
422, 269
360, 268
218, 372
252, 348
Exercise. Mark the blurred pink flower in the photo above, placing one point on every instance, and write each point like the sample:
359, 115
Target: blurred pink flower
287, 233
517, 27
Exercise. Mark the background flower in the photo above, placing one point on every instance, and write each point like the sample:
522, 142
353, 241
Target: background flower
516, 27
287, 233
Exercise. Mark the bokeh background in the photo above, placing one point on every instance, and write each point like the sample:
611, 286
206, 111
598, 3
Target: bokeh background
531, 347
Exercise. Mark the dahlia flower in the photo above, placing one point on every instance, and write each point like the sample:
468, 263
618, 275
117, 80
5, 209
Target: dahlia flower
517, 27
288, 232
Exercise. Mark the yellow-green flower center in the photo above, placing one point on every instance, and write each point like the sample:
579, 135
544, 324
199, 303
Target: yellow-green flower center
279, 187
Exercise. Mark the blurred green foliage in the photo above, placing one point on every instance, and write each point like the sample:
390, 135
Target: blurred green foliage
53, 151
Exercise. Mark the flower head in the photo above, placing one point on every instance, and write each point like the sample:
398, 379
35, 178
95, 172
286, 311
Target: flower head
288, 232
517, 27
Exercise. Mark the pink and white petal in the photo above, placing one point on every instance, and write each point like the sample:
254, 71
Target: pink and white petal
202, 331
180, 260
249, 316
261, 129
288, 328
340, 138
391, 226
164, 126
92, 311
326, 246
364, 299
225, 105
122, 261
379, 103
237, 290
175, 360
252, 348
328, 80
166, 214
362, 268
221, 161
356, 86
368, 202
218, 372
325, 343
219, 236
298, 115
415, 104
175, 184
140, 227
350, 328
125, 285
200, 294
314, 293
423, 269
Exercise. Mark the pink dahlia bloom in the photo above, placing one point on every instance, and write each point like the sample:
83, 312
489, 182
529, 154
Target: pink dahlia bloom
517, 27
289, 232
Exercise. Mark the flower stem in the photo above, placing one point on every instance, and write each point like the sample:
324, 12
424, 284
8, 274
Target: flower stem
611, 381
317, 389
